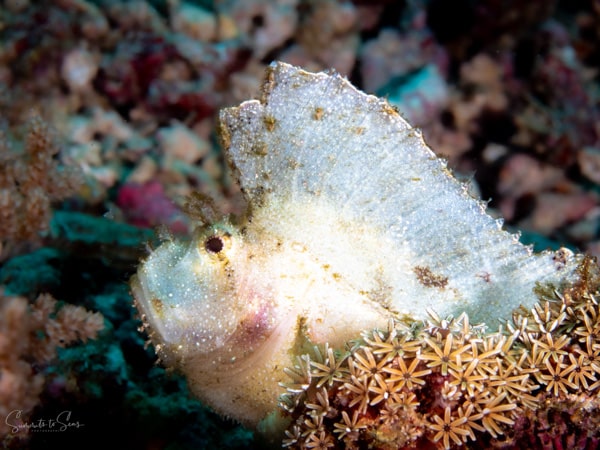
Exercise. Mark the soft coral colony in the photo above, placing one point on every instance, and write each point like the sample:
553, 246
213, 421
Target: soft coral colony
447, 382
30, 336
31, 332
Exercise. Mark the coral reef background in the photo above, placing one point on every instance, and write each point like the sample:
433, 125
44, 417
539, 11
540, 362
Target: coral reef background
107, 119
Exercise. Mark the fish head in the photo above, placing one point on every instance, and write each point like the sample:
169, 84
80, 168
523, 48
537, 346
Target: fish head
209, 306
188, 295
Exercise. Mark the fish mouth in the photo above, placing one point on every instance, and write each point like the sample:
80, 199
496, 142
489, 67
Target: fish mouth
254, 338
151, 312
147, 314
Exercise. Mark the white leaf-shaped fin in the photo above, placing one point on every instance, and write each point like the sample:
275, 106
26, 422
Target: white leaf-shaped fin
315, 138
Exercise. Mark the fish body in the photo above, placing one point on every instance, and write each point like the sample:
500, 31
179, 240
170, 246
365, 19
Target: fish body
351, 219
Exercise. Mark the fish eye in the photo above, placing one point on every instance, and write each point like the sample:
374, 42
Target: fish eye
214, 244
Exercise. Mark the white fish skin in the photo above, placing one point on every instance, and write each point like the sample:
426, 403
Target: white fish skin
351, 219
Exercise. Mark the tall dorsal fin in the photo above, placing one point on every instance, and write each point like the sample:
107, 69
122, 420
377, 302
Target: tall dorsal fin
316, 138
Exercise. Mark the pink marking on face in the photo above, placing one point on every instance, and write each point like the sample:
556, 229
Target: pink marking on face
256, 327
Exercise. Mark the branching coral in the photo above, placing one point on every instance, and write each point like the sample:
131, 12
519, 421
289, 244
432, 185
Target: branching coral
31, 178
29, 338
450, 383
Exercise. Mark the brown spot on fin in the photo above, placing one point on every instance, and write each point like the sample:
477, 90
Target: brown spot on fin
429, 279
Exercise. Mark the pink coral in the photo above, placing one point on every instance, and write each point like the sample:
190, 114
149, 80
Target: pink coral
147, 205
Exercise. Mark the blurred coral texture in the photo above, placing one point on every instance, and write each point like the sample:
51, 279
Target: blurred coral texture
29, 338
107, 123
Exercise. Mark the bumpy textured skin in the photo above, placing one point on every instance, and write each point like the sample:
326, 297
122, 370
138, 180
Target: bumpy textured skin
351, 219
